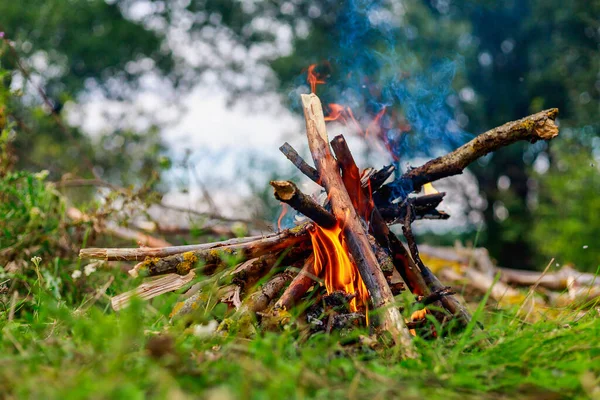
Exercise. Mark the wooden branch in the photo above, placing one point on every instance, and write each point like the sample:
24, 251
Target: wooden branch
354, 232
299, 162
501, 292
248, 273
558, 280
260, 300
183, 263
299, 286
540, 126
222, 229
375, 179
113, 229
138, 254
408, 270
289, 193
423, 207
450, 303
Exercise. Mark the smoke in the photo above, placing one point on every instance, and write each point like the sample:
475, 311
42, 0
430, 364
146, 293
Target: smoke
371, 67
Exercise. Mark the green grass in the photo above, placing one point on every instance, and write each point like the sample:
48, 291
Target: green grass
55, 348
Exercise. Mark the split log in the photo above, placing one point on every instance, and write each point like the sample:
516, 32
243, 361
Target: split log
138, 254
540, 126
151, 289
305, 279
289, 193
354, 232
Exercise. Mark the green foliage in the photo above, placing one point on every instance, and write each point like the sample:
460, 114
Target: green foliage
52, 348
79, 40
568, 216
54, 50
31, 211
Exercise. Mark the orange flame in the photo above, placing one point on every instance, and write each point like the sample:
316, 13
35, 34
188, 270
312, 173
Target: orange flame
284, 210
429, 189
417, 316
313, 78
334, 265
344, 115
374, 125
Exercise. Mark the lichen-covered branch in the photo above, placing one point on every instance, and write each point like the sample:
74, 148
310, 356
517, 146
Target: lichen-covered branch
182, 263
138, 254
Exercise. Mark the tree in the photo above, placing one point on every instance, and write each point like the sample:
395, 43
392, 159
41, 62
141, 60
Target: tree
55, 49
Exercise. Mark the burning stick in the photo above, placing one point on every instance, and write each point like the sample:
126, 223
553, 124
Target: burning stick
299, 286
408, 270
540, 126
289, 193
343, 210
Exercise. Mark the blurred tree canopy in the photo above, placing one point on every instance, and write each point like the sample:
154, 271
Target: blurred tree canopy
58, 49
508, 59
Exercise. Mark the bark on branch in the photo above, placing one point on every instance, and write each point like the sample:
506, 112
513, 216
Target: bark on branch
540, 126
299, 162
139, 254
289, 193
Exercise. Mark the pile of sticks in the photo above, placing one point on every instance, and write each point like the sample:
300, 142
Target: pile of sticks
362, 204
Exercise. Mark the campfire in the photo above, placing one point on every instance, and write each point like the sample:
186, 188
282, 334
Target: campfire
344, 264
